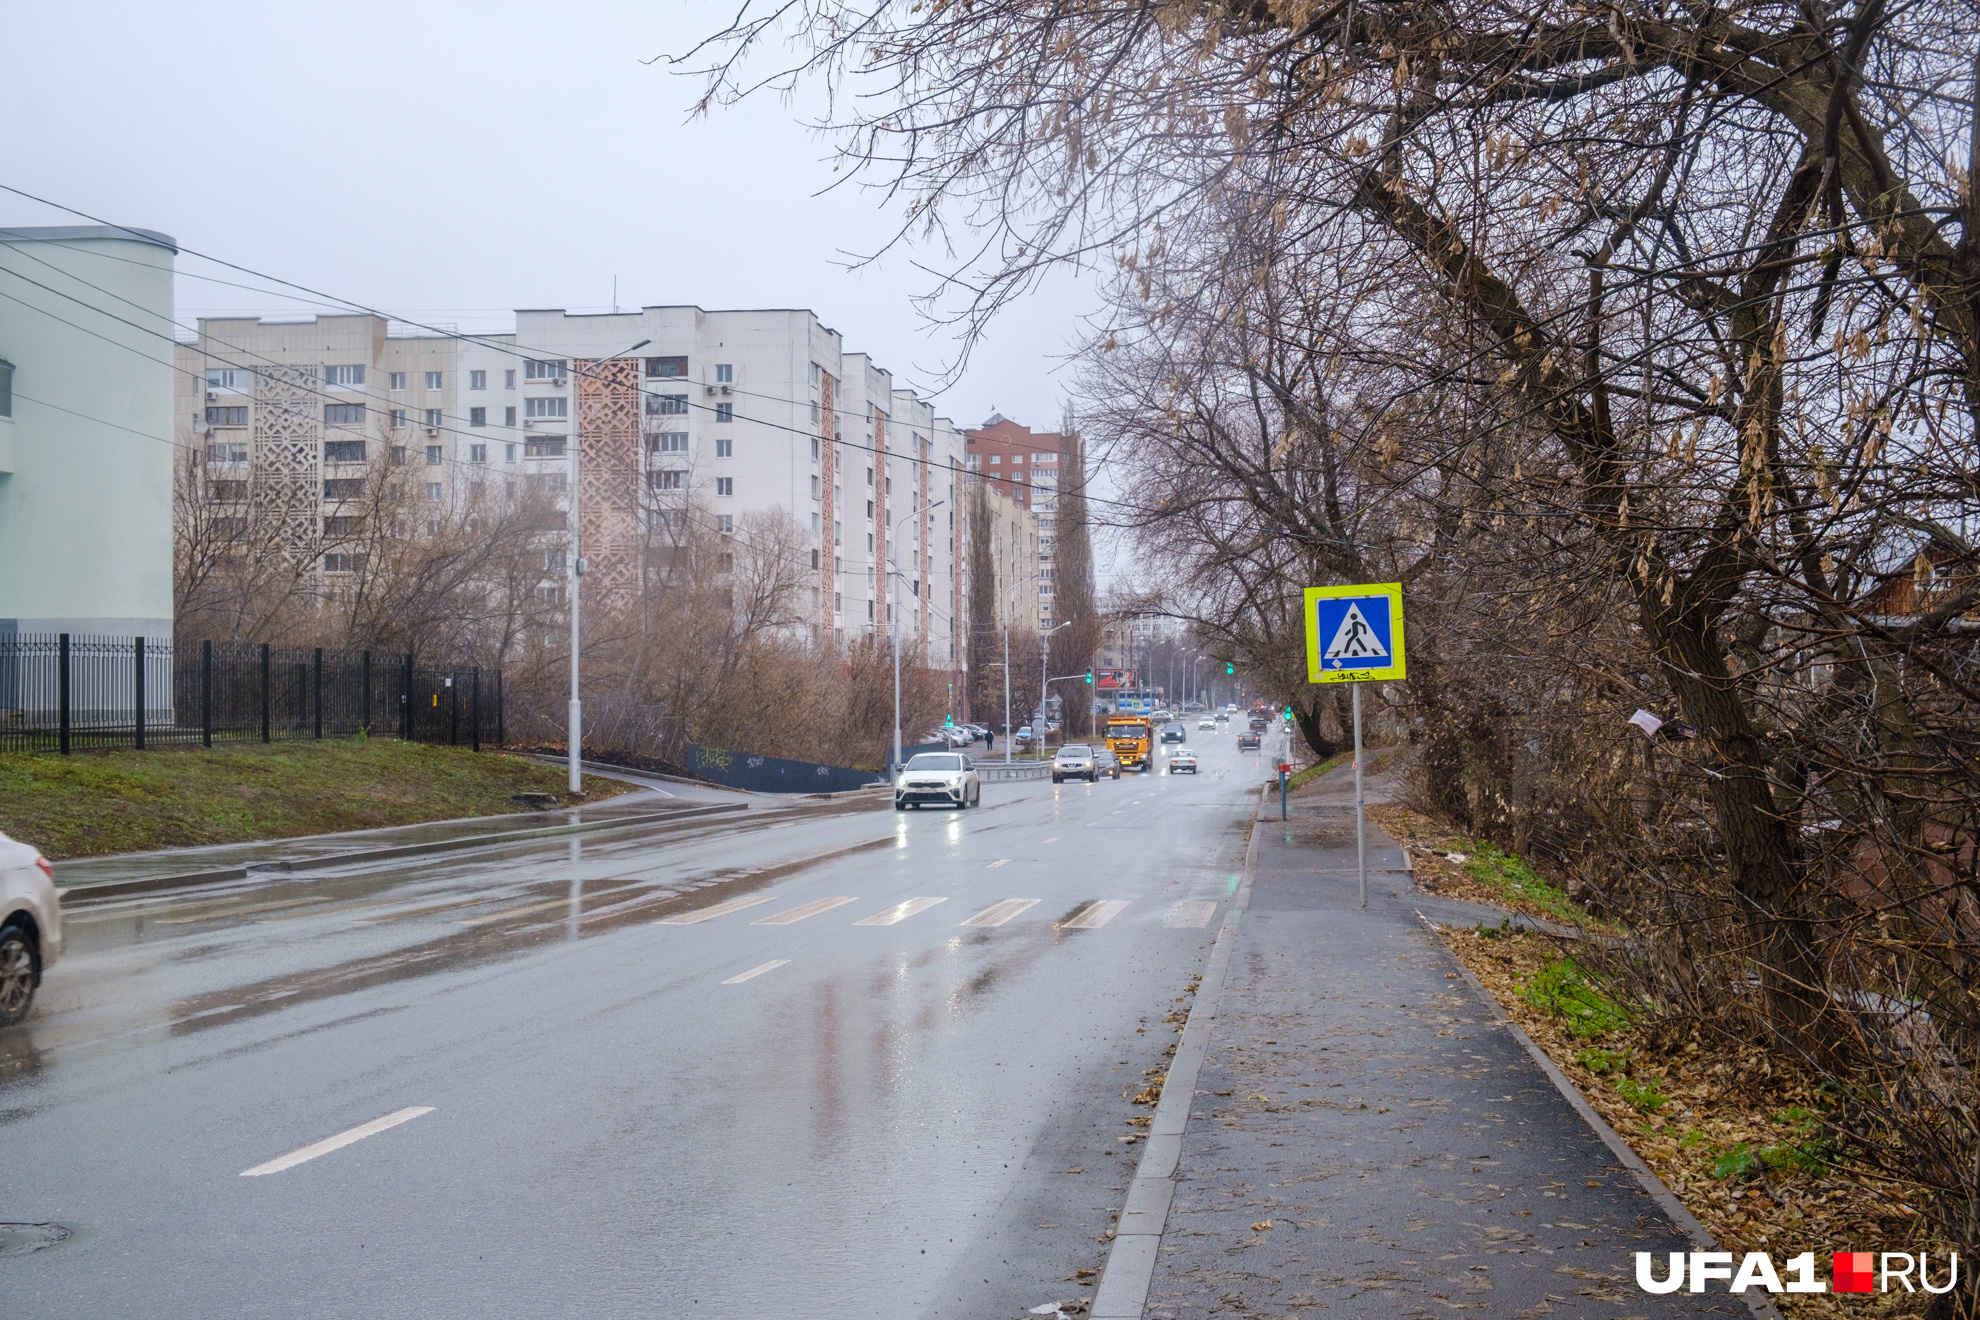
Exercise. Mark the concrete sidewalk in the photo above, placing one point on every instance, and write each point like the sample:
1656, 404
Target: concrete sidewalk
1367, 1139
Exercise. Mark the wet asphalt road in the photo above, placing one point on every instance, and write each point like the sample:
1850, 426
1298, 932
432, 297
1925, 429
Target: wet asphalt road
916, 1105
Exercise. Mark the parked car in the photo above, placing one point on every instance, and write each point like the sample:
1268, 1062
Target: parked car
1106, 763
938, 778
1075, 761
1249, 741
1172, 733
1182, 759
1025, 737
30, 929
1207, 722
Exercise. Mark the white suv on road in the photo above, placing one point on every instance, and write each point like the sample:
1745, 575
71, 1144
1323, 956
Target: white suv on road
948, 778
30, 926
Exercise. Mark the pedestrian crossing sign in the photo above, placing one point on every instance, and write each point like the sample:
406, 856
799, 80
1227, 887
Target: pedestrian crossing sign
1354, 633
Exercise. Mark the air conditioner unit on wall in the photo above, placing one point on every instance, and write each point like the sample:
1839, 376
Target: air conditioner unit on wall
559, 382
710, 390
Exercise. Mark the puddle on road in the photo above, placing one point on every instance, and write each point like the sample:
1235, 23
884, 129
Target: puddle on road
23, 1239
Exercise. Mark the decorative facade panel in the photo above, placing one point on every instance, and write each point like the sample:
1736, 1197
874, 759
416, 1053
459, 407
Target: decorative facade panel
286, 461
609, 533
828, 542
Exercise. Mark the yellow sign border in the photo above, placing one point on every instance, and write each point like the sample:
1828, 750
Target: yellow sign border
1393, 673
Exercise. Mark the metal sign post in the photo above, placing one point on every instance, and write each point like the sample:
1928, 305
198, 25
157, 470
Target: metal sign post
1354, 634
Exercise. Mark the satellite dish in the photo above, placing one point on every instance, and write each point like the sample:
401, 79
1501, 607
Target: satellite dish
200, 427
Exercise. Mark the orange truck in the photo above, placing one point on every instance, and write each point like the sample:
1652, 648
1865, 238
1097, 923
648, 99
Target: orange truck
1130, 739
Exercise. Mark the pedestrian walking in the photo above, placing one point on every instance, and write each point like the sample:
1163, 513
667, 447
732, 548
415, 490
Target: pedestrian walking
989, 740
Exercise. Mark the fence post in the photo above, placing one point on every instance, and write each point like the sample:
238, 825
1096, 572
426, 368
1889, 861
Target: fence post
62, 687
364, 721
477, 708
316, 694
453, 710
405, 700
206, 693
267, 709
501, 739
137, 693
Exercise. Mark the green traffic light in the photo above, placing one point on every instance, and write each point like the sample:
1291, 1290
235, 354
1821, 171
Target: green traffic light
1230, 669
1089, 675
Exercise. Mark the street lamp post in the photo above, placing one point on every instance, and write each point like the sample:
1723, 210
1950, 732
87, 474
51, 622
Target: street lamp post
894, 606
1044, 683
576, 747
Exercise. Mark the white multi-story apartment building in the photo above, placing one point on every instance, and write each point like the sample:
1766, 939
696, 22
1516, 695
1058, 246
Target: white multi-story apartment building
292, 415
741, 417
683, 417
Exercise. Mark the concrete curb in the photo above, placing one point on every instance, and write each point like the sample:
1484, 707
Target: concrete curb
1130, 1268
1756, 1302
112, 888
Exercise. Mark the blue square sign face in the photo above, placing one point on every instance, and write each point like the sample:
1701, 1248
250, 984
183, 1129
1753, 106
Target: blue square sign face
1354, 633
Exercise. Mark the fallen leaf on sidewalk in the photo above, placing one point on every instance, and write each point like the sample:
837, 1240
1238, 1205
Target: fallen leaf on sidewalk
1263, 1225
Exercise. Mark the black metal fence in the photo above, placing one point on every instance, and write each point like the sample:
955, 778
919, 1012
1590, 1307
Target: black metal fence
59, 692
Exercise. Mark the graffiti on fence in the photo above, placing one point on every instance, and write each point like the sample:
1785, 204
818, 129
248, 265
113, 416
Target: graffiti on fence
774, 774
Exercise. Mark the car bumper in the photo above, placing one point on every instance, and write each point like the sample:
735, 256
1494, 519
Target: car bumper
949, 795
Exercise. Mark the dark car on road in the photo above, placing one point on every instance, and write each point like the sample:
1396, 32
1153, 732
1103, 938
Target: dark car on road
1172, 733
1248, 741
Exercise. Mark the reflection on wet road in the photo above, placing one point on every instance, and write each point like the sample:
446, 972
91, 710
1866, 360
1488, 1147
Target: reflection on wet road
830, 1060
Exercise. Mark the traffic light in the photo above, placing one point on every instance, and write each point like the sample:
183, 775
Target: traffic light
1230, 668
1089, 677
949, 723
1289, 714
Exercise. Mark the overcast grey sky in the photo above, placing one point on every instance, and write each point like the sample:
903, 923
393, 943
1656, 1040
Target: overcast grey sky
450, 162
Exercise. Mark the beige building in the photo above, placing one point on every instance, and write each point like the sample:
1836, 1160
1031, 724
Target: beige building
1013, 532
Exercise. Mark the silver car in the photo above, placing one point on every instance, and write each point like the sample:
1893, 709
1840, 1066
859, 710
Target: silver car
1075, 761
30, 926
947, 779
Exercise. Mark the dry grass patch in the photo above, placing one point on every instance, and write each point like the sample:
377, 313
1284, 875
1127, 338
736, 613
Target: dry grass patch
1734, 1134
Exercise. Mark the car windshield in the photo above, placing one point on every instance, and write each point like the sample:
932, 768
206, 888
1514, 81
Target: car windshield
935, 762
1127, 730
1075, 749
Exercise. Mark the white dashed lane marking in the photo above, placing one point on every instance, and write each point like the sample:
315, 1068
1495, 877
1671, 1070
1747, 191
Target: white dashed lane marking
810, 909
758, 970
999, 862
899, 912
710, 913
999, 913
338, 1142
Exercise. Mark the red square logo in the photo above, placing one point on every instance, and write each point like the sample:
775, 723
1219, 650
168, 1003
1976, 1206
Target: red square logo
1853, 1270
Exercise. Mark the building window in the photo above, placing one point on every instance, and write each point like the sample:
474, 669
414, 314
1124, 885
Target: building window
671, 480
666, 368
995, 459
814, 449
398, 455
509, 416
725, 412
869, 511
728, 562
550, 481
227, 455
815, 489
548, 406
838, 532
725, 373
343, 488
508, 380
477, 380
228, 379
508, 453
544, 446
869, 483
477, 417
545, 369
229, 492
343, 451
667, 442
397, 379
666, 405
216, 416
433, 455
344, 563
725, 485
869, 611
343, 414
433, 417
432, 490
344, 377
869, 550
477, 453
725, 523
398, 418
432, 380
725, 448
838, 603
340, 526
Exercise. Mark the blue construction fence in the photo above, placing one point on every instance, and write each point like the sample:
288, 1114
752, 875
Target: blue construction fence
774, 774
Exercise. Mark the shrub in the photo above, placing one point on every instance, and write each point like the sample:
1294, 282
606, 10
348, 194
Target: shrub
1564, 989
